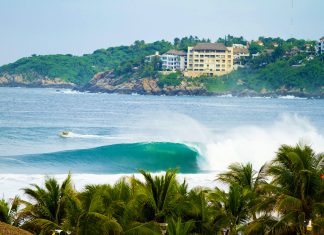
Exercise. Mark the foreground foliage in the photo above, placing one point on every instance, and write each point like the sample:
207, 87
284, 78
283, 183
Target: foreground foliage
282, 197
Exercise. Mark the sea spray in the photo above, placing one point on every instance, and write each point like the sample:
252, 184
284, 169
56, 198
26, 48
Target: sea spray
216, 150
258, 145
245, 143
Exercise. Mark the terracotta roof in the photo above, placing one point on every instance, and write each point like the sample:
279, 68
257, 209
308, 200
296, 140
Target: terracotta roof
6, 229
175, 52
240, 50
210, 46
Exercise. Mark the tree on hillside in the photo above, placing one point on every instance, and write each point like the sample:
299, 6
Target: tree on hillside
255, 48
278, 53
229, 40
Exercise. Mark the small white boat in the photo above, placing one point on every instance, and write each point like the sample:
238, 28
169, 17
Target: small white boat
65, 134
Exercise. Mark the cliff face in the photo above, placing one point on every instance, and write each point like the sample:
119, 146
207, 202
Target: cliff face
108, 82
19, 80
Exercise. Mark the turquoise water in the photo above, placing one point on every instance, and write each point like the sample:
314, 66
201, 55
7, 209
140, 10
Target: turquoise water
117, 158
123, 133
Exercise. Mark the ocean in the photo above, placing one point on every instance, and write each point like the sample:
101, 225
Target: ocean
113, 135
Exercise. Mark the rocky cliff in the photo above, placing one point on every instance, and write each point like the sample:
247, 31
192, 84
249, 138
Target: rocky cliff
19, 80
108, 82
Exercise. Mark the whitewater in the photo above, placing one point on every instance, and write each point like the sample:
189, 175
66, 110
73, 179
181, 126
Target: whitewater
113, 135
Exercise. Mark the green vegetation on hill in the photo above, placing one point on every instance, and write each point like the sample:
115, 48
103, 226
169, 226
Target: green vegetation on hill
284, 74
80, 69
284, 196
277, 64
67, 67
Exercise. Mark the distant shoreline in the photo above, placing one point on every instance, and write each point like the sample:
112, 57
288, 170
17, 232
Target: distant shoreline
227, 94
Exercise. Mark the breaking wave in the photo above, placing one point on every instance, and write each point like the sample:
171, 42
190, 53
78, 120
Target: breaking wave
117, 158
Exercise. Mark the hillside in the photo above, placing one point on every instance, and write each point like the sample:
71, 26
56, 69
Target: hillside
277, 67
282, 76
80, 69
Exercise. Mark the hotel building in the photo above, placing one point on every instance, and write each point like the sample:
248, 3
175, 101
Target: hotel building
320, 46
174, 60
214, 59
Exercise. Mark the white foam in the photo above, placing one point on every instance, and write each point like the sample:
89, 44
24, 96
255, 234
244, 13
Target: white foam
226, 96
291, 97
69, 91
256, 144
71, 134
259, 144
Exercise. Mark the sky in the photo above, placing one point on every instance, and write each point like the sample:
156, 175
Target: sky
81, 26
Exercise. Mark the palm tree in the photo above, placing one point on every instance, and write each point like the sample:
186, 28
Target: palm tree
9, 211
176, 227
124, 192
233, 208
244, 175
296, 192
105, 209
249, 180
4, 212
89, 213
156, 196
46, 212
196, 207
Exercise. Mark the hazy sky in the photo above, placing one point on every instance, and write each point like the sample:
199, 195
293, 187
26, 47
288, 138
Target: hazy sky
81, 26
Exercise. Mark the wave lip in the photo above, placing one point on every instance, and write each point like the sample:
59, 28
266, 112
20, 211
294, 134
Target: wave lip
117, 158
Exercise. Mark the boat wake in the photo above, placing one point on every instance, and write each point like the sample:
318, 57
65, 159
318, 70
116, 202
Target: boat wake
70, 134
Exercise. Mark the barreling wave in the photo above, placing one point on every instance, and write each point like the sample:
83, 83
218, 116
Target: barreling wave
118, 158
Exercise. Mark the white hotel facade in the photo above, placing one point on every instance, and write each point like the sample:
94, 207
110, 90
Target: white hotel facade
172, 60
320, 46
